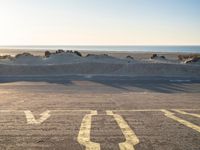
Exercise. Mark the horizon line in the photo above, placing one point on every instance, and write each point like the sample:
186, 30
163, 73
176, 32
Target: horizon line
43, 45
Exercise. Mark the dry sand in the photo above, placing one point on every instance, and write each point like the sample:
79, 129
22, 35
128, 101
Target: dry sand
114, 64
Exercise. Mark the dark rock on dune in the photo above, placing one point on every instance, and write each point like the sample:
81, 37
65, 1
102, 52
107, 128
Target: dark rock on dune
162, 57
69, 51
74, 52
78, 53
154, 56
105, 55
60, 51
47, 53
129, 57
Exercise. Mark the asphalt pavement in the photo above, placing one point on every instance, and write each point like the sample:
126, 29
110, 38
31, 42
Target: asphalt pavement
99, 113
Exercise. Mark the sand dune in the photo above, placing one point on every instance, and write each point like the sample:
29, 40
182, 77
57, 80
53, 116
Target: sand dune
70, 63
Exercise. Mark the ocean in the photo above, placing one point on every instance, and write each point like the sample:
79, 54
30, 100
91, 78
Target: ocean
185, 49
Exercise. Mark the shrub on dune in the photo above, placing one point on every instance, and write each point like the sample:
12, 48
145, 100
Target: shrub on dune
89, 55
156, 56
23, 54
60, 51
6, 57
189, 58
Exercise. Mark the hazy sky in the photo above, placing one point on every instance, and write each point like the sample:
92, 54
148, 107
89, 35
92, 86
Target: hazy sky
107, 22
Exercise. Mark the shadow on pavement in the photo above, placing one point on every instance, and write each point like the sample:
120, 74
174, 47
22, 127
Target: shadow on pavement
122, 84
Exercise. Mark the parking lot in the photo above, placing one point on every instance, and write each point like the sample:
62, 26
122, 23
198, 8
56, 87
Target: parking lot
85, 113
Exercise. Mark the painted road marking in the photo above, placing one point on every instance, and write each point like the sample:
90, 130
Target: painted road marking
63, 110
150, 110
184, 122
74, 110
186, 113
189, 109
53, 110
31, 119
135, 110
131, 138
84, 133
85, 128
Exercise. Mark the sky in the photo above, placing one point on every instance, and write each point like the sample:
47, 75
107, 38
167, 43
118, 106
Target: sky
99, 22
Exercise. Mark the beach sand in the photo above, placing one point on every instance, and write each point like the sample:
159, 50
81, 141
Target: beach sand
113, 63
119, 54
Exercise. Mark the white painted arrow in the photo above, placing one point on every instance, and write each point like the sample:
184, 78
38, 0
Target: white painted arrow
31, 119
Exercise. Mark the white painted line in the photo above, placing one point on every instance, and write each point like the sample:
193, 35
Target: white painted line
184, 122
131, 138
186, 113
31, 119
84, 133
